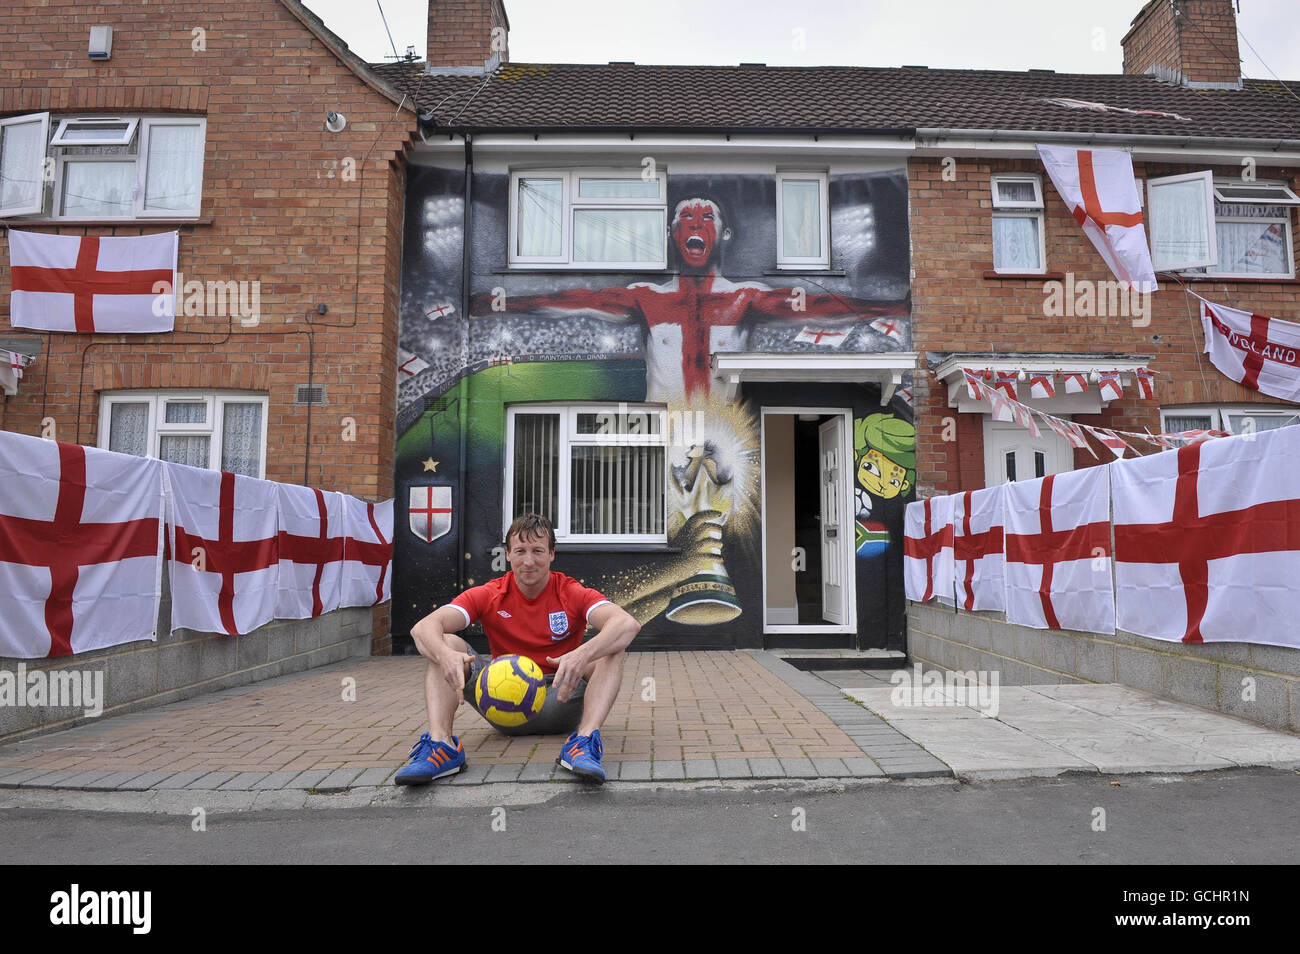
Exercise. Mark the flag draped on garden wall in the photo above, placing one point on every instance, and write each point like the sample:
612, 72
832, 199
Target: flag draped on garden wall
90, 283
1206, 544
927, 550
977, 549
1207, 541
80, 547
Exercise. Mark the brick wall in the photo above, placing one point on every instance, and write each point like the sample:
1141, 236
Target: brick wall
460, 32
276, 209
955, 308
1200, 43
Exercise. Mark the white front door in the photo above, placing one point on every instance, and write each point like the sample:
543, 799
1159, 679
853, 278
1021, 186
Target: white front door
1012, 453
831, 441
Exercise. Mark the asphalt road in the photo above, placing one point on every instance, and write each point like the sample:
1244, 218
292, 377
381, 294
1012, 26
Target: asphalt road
1236, 817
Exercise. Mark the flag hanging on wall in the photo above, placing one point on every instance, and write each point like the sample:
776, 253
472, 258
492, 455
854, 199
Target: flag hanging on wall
367, 552
91, 283
1256, 351
80, 547
1207, 541
1057, 547
977, 549
927, 550
1099, 189
311, 551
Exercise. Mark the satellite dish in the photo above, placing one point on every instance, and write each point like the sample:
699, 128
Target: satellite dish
335, 122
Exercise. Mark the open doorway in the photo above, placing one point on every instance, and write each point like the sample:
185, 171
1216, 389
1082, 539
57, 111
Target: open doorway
807, 542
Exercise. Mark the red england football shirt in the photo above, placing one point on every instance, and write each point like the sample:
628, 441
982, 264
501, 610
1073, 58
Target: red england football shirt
551, 624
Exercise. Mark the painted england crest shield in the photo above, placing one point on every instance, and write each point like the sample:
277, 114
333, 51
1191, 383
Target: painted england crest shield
430, 511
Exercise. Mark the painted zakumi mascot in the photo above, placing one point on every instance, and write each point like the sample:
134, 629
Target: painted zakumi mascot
885, 449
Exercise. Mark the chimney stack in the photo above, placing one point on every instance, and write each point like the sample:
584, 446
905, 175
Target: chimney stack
467, 36
1189, 42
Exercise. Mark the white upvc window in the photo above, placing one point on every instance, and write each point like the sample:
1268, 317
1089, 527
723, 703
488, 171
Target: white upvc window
1181, 218
802, 220
1224, 228
1018, 243
102, 167
598, 472
215, 430
588, 219
1235, 419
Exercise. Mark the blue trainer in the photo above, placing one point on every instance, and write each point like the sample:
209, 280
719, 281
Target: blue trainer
430, 760
581, 756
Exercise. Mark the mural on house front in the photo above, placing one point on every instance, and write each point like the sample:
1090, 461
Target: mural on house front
564, 336
884, 453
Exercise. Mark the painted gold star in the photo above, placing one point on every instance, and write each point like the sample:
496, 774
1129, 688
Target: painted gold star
431, 464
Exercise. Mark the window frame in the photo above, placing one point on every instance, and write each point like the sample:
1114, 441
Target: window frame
44, 120
794, 262
1219, 414
1289, 198
1153, 216
568, 439
572, 204
1022, 209
136, 148
68, 123
214, 403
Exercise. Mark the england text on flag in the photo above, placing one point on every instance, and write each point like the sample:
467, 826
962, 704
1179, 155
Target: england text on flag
1099, 189
1258, 352
89, 283
80, 547
1057, 546
1207, 541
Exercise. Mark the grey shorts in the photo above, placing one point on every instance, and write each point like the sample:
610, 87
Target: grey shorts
556, 717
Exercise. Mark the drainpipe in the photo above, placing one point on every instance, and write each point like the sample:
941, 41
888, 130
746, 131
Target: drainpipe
462, 386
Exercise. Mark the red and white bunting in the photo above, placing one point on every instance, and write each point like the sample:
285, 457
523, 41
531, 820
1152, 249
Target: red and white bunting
1075, 382
1041, 384
1068, 430
80, 547
1099, 189
1207, 546
1109, 386
1057, 546
891, 328
974, 384
1005, 381
311, 551
223, 530
1146, 383
977, 549
826, 337
1256, 351
1113, 442
928, 550
88, 283
1025, 418
367, 552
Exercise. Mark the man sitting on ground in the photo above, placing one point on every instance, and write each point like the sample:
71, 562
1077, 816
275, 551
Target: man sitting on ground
533, 612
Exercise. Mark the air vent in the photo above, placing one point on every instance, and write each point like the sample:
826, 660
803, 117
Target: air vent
308, 395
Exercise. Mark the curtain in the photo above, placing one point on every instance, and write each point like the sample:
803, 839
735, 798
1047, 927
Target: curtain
186, 412
1257, 248
617, 489
184, 449
537, 458
541, 205
97, 189
1177, 423
618, 188
241, 438
1015, 243
1262, 421
128, 428
21, 151
1178, 223
172, 170
801, 218
618, 235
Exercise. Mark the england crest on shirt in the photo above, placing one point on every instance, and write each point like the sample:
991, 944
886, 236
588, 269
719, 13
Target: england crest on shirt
559, 623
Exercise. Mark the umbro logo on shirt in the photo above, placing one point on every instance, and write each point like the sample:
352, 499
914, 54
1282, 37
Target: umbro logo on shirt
503, 614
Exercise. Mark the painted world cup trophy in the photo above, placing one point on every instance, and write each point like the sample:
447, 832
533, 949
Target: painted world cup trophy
705, 486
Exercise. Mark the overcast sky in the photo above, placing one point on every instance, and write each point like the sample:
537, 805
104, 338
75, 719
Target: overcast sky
1075, 37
